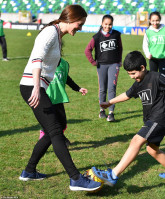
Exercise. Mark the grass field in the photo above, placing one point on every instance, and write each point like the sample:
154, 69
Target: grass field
94, 141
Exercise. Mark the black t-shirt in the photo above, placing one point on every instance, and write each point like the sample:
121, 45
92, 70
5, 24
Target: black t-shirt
151, 91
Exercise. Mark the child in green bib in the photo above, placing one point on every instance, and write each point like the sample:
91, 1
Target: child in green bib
57, 93
154, 43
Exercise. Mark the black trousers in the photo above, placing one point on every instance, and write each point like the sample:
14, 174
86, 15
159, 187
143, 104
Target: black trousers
48, 118
4, 46
157, 65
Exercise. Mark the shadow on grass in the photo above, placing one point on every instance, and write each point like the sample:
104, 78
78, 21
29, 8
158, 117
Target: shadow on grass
23, 130
127, 117
35, 127
130, 112
74, 121
136, 189
14, 58
107, 140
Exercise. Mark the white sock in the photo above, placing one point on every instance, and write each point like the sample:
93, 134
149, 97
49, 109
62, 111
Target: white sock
114, 175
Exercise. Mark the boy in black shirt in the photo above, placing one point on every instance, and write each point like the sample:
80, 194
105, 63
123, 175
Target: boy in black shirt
150, 87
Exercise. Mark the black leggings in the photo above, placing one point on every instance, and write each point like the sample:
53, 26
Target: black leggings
47, 116
157, 64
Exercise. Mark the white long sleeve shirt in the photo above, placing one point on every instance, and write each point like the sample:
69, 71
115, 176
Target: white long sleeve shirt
45, 55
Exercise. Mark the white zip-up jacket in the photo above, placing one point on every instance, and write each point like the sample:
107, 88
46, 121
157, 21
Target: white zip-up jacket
45, 55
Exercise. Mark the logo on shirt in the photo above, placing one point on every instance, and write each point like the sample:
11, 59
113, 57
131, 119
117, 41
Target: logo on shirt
58, 77
145, 97
108, 45
160, 39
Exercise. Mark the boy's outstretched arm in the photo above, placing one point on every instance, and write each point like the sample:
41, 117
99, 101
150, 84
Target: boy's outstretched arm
120, 98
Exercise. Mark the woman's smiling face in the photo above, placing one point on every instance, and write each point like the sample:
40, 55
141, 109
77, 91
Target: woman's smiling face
75, 26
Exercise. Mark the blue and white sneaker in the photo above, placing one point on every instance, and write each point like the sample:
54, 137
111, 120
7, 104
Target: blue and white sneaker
162, 175
25, 176
84, 184
105, 175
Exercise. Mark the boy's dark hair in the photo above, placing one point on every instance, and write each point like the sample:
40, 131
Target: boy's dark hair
133, 61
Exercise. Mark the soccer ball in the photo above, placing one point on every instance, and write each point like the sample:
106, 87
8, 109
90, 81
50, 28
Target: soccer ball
89, 174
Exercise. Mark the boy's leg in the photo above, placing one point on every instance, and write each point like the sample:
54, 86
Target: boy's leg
156, 153
136, 143
150, 132
110, 177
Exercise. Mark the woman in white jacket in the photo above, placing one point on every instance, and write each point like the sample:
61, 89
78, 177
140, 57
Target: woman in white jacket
38, 73
154, 43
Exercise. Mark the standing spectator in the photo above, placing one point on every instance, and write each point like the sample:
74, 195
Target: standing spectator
3, 41
154, 43
108, 56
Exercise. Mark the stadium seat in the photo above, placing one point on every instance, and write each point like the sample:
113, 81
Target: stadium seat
91, 6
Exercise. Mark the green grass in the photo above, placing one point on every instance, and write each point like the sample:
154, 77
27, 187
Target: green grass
94, 141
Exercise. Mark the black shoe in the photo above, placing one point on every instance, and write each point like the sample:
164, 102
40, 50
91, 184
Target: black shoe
110, 117
102, 114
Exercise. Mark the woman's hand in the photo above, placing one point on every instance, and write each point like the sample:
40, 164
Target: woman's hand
34, 99
35, 95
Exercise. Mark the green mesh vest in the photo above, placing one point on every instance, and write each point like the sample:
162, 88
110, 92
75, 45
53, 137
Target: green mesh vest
56, 89
1, 28
157, 43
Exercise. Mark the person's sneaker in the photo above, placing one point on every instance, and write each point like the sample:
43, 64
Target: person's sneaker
5, 59
110, 117
84, 184
102, 114
41, 134
162, 175
25, 176
105, 175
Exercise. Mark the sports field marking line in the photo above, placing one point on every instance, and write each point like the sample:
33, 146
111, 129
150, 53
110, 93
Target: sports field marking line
23, 57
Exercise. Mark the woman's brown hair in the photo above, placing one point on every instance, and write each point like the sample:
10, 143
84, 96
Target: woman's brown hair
70, 14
